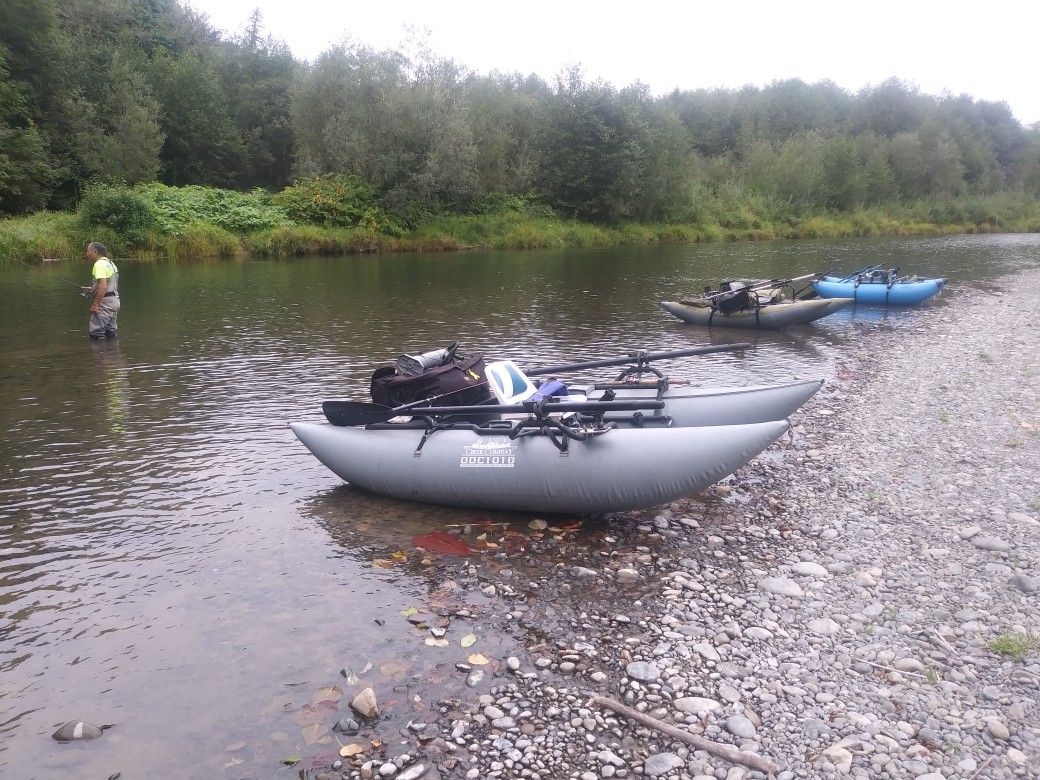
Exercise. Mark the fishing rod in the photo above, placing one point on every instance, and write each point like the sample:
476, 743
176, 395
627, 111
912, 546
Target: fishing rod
53, 275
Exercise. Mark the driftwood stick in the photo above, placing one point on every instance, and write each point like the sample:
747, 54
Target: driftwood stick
982, 768
725, 752
892, 669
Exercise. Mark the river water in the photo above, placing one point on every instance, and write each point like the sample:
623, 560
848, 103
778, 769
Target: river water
173, 562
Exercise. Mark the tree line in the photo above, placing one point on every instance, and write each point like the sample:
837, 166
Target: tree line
131, 91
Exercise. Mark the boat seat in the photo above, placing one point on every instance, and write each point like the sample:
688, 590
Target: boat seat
509, 384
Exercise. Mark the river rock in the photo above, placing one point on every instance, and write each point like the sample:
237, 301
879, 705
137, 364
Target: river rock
695, 705
997, 729
661, 764
364, 704
838, 756
991, 543
809, 569
643, 671
757, 632
77, 729
824, 627
1023, 518
781, 586
347, 726
413, 772
1025, 583
740, 726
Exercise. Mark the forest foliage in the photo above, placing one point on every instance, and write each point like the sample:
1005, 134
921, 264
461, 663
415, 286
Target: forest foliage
144, 94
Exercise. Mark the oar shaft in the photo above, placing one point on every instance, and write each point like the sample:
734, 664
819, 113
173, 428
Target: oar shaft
636, 357
553, 406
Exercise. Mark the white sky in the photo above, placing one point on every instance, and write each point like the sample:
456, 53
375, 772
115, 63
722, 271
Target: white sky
985, 49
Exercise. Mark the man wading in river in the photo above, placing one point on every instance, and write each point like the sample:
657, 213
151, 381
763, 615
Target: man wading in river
104, 307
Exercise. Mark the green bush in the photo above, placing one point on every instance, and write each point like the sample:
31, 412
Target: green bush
240, 212
332, 201
118, 209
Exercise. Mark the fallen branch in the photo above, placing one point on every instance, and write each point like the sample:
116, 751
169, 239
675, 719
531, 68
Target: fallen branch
892, 669
978, 773
725, 752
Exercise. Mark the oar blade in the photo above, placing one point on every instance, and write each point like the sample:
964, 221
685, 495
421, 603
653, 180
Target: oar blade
345, 413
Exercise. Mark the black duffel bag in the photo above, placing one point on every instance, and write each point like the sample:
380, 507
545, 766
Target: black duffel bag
460, 382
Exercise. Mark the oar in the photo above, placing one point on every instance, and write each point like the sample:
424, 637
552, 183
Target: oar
760, 286
637, 357
345, 413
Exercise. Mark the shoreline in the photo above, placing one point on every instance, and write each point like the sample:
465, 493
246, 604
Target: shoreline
838, 607
47, 236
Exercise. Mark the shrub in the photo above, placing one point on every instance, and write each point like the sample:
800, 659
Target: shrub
118, 209
334, 201
241, 212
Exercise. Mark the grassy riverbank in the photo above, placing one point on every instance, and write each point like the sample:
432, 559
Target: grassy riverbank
158, 222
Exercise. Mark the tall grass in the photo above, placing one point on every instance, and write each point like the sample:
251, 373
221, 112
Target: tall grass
203, 222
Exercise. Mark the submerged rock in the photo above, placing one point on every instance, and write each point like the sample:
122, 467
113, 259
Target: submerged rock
77, 729
364, 704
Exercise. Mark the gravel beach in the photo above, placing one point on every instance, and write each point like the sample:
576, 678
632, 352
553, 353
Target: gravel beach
862, 600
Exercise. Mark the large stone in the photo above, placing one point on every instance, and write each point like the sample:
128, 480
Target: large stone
643, 671
824, 627
706, 651
908, 665
740, 726
991, 543
838, 756
781, 586
809, 569
77, 729
661, 764
364, 704
997, 729
1025, 583
695, 705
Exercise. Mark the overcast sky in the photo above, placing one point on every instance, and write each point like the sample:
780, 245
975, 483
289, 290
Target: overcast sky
985, 49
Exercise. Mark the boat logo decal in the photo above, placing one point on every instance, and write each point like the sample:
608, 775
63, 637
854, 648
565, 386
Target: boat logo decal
488, 452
